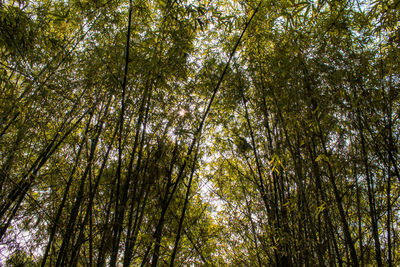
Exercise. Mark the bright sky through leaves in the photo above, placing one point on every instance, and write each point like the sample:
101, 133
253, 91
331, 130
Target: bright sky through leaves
199, 133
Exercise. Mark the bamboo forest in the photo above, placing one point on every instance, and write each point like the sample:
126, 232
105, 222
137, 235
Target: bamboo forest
199, 133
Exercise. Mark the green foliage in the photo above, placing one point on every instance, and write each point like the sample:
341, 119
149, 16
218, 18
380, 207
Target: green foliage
144, 132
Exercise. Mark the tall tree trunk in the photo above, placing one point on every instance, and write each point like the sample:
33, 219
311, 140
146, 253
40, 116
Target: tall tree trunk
185, 204
119, 207
370, 191
64, 198
62, 255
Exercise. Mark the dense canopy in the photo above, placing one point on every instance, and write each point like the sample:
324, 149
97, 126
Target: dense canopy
199, 133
